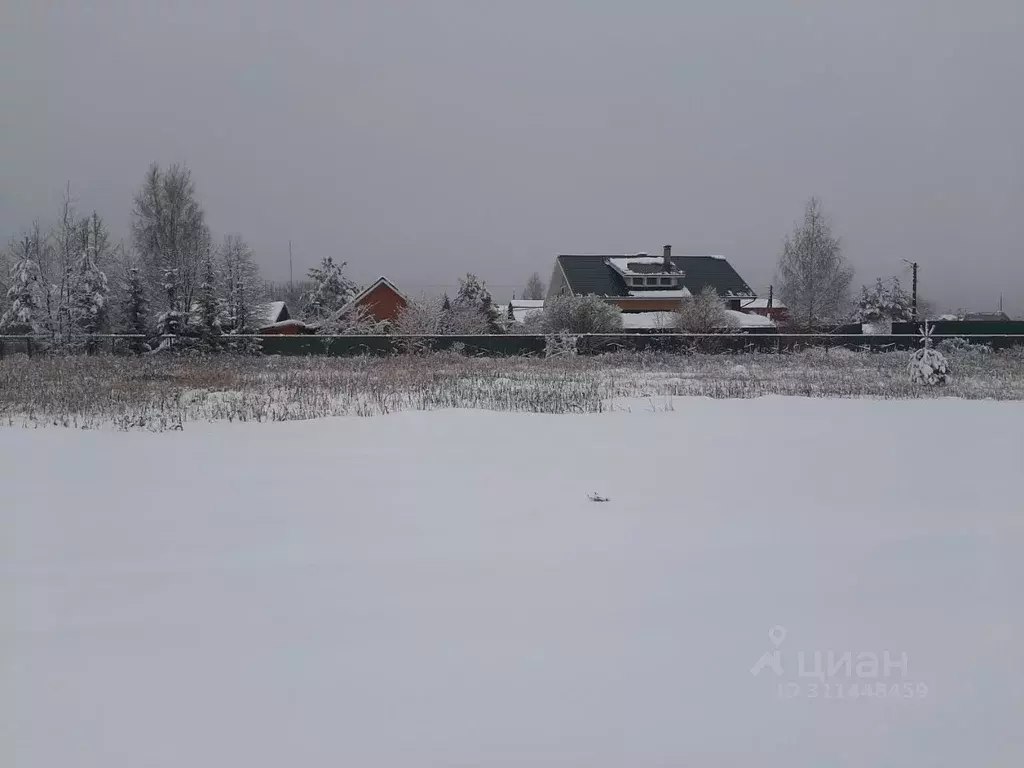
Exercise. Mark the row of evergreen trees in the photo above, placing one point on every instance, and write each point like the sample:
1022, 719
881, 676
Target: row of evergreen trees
73, 280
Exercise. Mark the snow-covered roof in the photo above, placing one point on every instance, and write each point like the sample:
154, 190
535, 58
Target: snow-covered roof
527, 303
761, 304
676, 293
635, 321
640, 265
366, 291
747, 320
272, 312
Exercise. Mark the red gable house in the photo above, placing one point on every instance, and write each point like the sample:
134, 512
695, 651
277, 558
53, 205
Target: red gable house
380, 300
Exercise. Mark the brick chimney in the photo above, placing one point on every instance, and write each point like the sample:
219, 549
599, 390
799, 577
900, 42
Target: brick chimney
666, 255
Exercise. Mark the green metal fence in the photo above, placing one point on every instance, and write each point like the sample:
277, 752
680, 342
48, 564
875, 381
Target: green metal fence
508, 345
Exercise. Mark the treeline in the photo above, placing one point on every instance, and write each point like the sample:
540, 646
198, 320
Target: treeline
72, 279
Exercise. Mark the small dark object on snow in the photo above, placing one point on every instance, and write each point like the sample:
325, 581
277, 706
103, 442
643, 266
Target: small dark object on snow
594, 496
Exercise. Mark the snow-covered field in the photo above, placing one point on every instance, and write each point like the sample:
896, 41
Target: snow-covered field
436, 589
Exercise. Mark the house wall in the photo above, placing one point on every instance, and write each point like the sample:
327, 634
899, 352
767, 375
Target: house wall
382, 303
645, 305
557, 285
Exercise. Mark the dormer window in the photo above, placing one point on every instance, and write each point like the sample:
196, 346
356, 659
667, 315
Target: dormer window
639, 281
652, 281
666, 281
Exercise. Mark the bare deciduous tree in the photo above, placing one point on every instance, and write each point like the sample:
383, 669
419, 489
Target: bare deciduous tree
535, 288
170, 235
813, 277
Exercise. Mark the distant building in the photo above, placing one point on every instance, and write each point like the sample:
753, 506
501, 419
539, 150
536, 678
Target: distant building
643, 283
778, 311
275, 312
986, 317
276, 320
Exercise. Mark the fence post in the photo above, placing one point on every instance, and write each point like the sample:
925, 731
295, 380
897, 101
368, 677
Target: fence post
28, 345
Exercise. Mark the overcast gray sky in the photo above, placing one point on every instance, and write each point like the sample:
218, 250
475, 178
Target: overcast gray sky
423, 139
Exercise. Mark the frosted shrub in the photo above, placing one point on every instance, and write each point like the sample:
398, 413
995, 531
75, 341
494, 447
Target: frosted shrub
927, 365
960, 344
561, 345
581, 314
703, 313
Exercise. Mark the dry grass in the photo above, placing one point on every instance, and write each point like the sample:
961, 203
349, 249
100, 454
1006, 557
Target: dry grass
161, 393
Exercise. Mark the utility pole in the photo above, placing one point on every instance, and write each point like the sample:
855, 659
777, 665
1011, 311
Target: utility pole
913, 305
913, 300
291, 282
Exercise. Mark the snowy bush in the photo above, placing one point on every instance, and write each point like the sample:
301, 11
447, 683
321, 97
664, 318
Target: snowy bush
581, 314
561, 345
703, 313
958, 344
533, 323
351, 320
427, 316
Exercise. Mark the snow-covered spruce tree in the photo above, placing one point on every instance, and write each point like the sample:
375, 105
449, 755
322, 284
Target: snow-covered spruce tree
927, 365
171, 322
241, 286
5, 275
331, 290
446, 315
23, 293
134, 307
474, 296
703, 313
90, 292
581, 314
206, 317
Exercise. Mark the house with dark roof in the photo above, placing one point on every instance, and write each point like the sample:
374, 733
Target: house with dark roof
644, 283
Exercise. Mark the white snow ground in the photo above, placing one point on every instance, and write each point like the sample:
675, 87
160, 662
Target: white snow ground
435, 589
